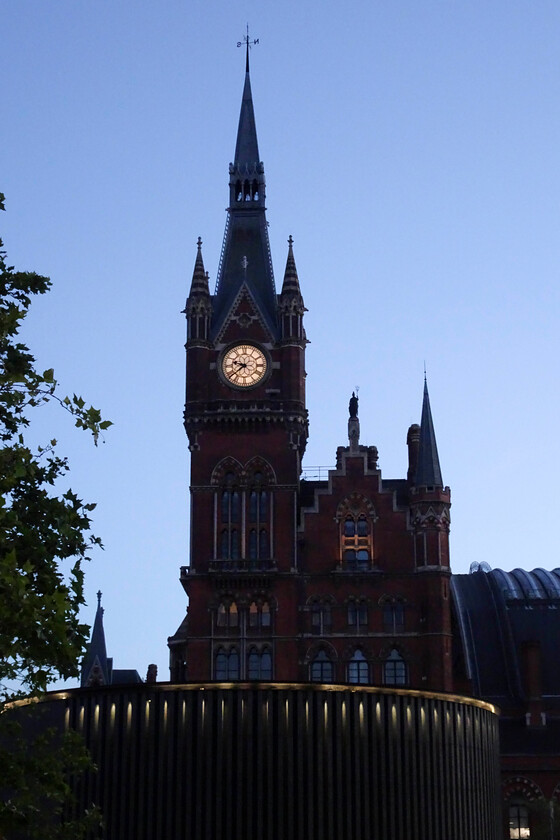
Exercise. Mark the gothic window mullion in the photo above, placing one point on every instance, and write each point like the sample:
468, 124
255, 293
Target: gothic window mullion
215, 524
243, 526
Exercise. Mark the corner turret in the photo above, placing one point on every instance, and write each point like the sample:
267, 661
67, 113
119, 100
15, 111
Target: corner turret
428, 472
430, 501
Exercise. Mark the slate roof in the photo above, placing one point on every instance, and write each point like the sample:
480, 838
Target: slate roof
246, 256
428, 472
497, 612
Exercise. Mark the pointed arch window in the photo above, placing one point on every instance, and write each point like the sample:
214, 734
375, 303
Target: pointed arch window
227, 615
358, 669
259, 616
259, 664
243, 514
321, 617
393, 615
258, 506
230, 516
321, 668
357, 613
356, 516
226, 664
395, 671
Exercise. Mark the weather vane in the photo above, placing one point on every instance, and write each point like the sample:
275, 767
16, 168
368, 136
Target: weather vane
248, 43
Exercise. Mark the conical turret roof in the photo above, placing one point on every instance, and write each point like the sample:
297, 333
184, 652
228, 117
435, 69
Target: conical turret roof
428, 472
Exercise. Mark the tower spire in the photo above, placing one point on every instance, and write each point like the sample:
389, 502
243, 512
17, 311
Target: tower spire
246, 259
428, 472
96, 667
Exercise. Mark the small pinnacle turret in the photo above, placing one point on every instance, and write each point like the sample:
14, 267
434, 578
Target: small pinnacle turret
290, 286
290, 301
428, 472
199, 307
199, 285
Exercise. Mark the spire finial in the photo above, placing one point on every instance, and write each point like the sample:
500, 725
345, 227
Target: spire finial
248, 44
99, 594
199, 244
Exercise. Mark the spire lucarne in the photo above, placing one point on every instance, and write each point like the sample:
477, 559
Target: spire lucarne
245, 259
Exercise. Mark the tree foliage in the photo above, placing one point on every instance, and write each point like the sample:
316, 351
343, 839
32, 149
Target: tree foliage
45, 537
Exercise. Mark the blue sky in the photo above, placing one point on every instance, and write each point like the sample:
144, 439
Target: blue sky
410, 148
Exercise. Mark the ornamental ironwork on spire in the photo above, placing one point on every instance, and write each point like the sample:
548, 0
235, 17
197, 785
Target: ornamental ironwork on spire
246, 259
428, 472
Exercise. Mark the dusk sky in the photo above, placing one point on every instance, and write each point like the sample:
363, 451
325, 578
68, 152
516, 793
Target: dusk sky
410, 148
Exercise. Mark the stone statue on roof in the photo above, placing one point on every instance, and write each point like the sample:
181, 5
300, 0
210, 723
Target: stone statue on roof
353, 405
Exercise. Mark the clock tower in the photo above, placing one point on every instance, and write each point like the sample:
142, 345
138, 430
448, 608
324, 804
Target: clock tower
246, 423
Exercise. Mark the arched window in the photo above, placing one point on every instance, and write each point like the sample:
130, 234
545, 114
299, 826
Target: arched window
356, 515
258, 518
393, 615
321, 617
357, 613
226, 665
259, 664
321, 668
394, 669
259, 615
358, 669
227, 615
243, 513
230, 515
519, 821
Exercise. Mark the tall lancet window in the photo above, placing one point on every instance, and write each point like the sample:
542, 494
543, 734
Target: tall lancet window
243, 513
356, 517
258, 519
230, 518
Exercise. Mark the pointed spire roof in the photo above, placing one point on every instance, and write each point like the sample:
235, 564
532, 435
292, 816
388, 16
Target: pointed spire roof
246, 256
96, 667
290, 286
428, 472
199, 285
247, 147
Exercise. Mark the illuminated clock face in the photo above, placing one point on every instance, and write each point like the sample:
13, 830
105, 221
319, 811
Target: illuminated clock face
244, 365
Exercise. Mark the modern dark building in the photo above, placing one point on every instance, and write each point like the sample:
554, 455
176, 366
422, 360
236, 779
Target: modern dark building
331, 679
